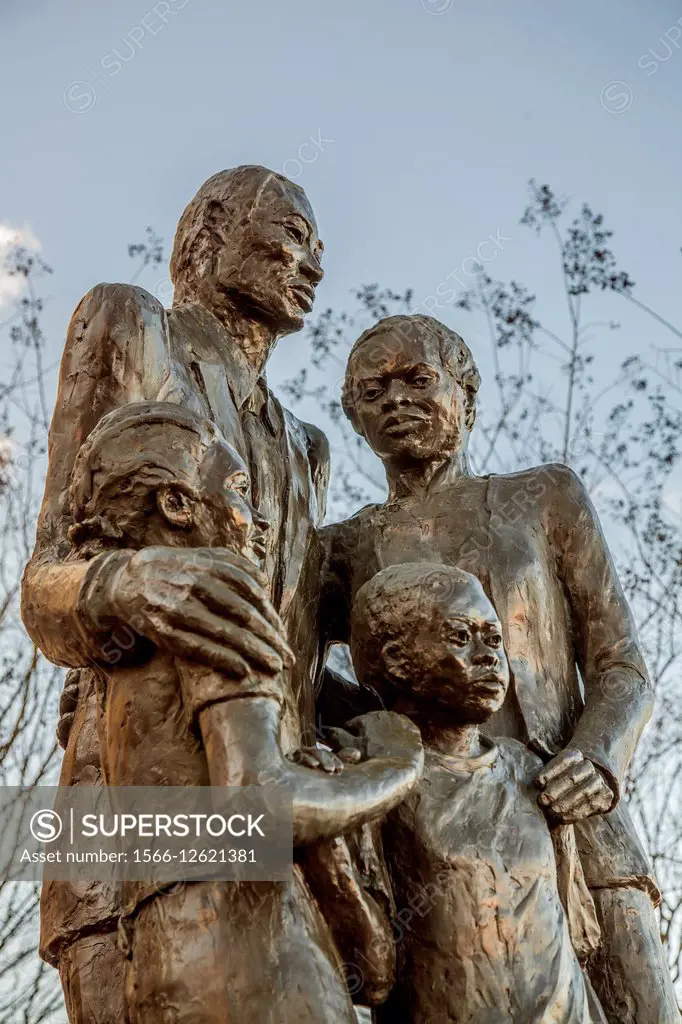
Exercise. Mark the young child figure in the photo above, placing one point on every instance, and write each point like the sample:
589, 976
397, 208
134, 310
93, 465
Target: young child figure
156, 474
469, 850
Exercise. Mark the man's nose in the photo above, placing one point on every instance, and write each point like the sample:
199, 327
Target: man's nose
311, 269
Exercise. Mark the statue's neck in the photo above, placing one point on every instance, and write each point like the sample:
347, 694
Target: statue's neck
417, 478
441, 731
254, 339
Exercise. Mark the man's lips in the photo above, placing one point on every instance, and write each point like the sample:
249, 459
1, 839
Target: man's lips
304, 295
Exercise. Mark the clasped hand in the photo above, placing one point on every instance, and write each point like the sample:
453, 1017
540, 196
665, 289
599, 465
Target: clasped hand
573, 788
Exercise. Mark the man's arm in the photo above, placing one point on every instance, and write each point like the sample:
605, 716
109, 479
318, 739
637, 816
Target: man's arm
208, 605
618, 696
116, 353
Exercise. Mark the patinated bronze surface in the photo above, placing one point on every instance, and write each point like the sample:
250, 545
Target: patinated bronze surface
580, 696
150, 475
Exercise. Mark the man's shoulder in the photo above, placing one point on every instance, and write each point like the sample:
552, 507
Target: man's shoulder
113, 303
318, 445
118, 333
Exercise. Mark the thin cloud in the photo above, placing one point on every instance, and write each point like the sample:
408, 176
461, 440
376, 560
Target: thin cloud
11, 287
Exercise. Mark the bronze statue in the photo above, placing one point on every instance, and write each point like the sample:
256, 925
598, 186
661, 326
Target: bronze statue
176, 601
534, 541
245, 264
469, 849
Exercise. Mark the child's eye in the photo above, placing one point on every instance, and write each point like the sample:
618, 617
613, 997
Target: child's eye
461, 637
494, 640
422, 380
371, 393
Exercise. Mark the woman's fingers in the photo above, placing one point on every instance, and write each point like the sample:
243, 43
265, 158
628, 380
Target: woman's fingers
558, 765
567, 781
580, 802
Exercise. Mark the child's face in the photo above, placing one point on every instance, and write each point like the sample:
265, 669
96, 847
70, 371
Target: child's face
459, 657
221, 513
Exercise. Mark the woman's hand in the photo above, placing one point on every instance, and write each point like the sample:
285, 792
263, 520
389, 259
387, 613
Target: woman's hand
573, 788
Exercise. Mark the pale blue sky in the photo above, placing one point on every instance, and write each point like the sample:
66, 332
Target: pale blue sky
437, 122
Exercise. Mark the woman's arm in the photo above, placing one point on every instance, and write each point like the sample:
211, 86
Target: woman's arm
618, 696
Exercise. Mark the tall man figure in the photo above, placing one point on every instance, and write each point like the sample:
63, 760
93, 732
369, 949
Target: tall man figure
245, 265
534, 541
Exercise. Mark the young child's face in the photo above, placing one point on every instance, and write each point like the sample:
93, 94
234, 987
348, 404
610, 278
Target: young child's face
459, 657
223, 515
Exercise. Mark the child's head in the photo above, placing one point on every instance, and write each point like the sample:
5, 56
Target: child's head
431, 632
156, 473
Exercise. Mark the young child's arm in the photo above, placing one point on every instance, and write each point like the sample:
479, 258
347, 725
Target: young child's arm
241, 735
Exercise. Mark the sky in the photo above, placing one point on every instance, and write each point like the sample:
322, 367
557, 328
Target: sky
413, 126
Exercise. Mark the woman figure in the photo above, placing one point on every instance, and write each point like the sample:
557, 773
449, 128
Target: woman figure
579, 695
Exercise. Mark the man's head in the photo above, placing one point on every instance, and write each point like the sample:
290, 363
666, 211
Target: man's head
410, 389
432, 633
248, 241
155, 473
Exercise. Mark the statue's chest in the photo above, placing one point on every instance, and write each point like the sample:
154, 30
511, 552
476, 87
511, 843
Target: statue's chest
461, 526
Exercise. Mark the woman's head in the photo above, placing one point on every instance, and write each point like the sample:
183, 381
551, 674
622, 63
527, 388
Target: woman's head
410, 388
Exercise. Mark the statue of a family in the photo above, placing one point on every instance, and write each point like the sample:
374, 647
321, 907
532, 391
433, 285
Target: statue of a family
463, 851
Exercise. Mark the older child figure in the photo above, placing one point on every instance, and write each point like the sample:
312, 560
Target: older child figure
470, 847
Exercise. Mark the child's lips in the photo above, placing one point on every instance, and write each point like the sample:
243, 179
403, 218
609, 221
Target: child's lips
491, 682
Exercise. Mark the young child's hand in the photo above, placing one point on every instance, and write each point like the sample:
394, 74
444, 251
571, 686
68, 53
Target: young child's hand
573, 788
318, 756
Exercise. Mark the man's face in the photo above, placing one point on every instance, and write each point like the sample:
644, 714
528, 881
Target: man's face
459, 658
271, 261
407, 405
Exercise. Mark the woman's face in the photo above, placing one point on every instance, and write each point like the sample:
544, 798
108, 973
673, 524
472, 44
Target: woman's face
406, 404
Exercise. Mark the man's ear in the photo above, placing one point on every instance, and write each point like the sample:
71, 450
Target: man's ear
395, 660
470, 409
175, 505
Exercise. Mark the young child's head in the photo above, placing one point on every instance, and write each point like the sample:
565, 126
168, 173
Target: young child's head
156, 473
431, 632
